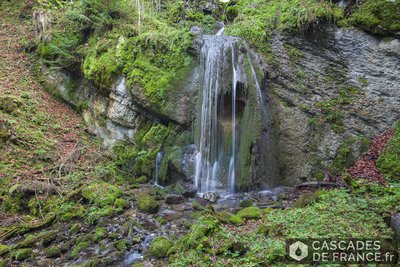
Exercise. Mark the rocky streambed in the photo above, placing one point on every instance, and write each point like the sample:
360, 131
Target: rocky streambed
114, 227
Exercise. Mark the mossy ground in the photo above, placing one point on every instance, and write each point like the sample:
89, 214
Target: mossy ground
262, 241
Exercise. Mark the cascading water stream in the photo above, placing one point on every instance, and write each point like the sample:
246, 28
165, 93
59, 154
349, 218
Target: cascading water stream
209, 168
158, 162
231, 182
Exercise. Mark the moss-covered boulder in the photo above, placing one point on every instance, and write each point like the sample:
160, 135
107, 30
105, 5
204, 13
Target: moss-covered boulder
9, 105
236, 220
53, 251
121, 203
250, 213
101, 193
246, 203
159, 247
5, 131
78, 248
141, 180
100, 234
4, 249
306, 199
21, 254
121, 245
75, 228
148, 203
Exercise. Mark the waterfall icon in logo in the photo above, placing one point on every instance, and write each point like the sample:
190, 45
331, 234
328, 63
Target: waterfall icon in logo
298, 251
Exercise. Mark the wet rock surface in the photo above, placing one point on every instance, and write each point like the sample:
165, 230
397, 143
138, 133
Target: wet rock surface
314, 71
126, 237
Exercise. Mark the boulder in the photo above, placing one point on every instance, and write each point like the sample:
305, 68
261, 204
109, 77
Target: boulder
395, 225
174, 199
211, 196
186, 189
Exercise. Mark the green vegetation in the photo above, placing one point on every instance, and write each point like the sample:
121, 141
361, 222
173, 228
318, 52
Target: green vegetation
159, 247
257, 19
147, 203
106, 39
389, 162
250, 213
21, 254
332, 111
101, 193
349, 151
335, 213
377, 16
52, 251
78, 248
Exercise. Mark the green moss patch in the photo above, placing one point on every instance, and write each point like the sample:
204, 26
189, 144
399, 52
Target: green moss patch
250, 213
377, 16
148, 203
78, 248
101, 193
21, 254
389, 162
159, 247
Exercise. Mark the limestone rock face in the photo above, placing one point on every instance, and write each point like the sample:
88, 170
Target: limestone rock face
329, 85
323, 87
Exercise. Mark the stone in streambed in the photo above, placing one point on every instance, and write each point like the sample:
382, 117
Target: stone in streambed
21, 254
186, 189
159, 247
174, 199
53, 252
101, 193
211, 196
148, 204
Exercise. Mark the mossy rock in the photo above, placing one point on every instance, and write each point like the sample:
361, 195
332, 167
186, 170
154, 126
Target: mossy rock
121, 245
121, 203
148, 203
159, 247
388, 162
78, 248
44, 237
377, 16
155, 136
94, 216
196, 205
100, 234
84, 238
5, 131
250, 213
21, 254
236, 220
141, 180
4, 249
52, 252
306, 199
246, 203
75, 228
9, 105
101, 193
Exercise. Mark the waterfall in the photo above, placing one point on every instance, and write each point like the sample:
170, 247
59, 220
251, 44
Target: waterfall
231, 182
158, 161
212, 172
232, 130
